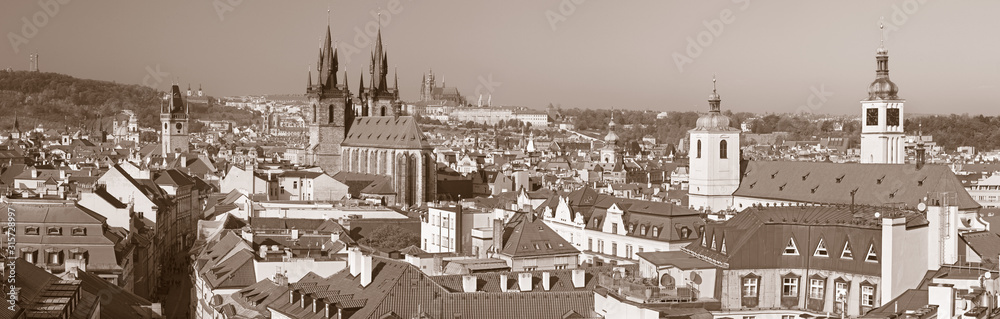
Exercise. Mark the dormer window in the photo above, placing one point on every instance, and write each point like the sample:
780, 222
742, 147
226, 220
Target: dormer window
31, 230
79, 231
54, 231
631, 228
723, 248
642, 230
656, 232
713, 243
685, 232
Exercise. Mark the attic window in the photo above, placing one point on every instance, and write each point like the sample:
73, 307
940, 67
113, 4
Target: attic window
723, 248
536, 247
921, 181
791, 249
642, 230
54, 230
31, 230
713, 242
752, 184
893, 194
879, 181
79, 231
806, 175
840, 179
631, 228
872, 257
703, 243
821, 249
775, 173
656, 232
814, 189
782, 187
548, 245
846, 253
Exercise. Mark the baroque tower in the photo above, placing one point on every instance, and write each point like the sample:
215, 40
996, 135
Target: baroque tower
174, 116
882, 116
329, 114
714, 159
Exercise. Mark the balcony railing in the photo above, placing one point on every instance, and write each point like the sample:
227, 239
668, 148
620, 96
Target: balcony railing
646, 290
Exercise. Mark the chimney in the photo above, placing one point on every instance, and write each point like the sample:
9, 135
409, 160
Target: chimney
459, 230
280, 279
920, 155
469, 283
546, 284
524, 281
295, 234
503, 283
366, 270
354, 260
942, 295
578, 278
34, 173
497, 235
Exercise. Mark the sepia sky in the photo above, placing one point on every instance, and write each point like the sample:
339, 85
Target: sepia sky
769, 56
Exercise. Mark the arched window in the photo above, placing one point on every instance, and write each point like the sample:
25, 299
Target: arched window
383, 111
699, 149
722, 149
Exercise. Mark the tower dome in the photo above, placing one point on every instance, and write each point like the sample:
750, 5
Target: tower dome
714, 120
882, 88
611, 137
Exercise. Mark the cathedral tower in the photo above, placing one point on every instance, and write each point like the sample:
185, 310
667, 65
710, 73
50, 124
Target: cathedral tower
174, 116
329, 114
882, 116
714, 159
380, 99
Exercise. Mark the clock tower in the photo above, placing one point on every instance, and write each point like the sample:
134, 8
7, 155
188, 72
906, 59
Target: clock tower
174, 119
882, 117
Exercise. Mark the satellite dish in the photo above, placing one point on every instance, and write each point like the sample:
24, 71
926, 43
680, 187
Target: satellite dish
922, 207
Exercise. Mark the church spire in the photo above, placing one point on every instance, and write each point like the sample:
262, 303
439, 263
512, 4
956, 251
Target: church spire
714, 100
309, 81
882, 88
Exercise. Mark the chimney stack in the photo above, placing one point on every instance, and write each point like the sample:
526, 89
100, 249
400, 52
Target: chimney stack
524, 281
920, 155
546, 284
295, 234
942, 295
469, 283
366, 270
354, 260
503, 283
578, 278
497, 235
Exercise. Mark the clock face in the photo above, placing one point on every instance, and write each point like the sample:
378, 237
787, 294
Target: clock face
892, 117
178, 125
871, 116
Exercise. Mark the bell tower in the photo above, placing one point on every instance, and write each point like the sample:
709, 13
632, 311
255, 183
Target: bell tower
329, 113
882, 116
174, 119
714, 159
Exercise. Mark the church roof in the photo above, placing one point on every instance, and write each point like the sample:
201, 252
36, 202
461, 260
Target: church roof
831, 183
386, 132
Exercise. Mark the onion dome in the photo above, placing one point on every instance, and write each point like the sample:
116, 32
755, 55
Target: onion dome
714, 120
882, 88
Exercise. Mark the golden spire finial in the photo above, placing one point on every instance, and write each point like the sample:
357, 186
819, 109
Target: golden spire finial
713, 82
881, 29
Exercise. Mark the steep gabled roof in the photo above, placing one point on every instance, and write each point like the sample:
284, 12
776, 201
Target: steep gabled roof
386, 132
531, 237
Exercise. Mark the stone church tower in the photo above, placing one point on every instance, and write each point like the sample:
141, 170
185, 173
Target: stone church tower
174, 117
330, 113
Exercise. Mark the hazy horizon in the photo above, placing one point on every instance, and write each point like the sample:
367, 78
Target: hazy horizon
773, 56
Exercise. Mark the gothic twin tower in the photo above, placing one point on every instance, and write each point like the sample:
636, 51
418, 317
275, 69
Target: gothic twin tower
332, 107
